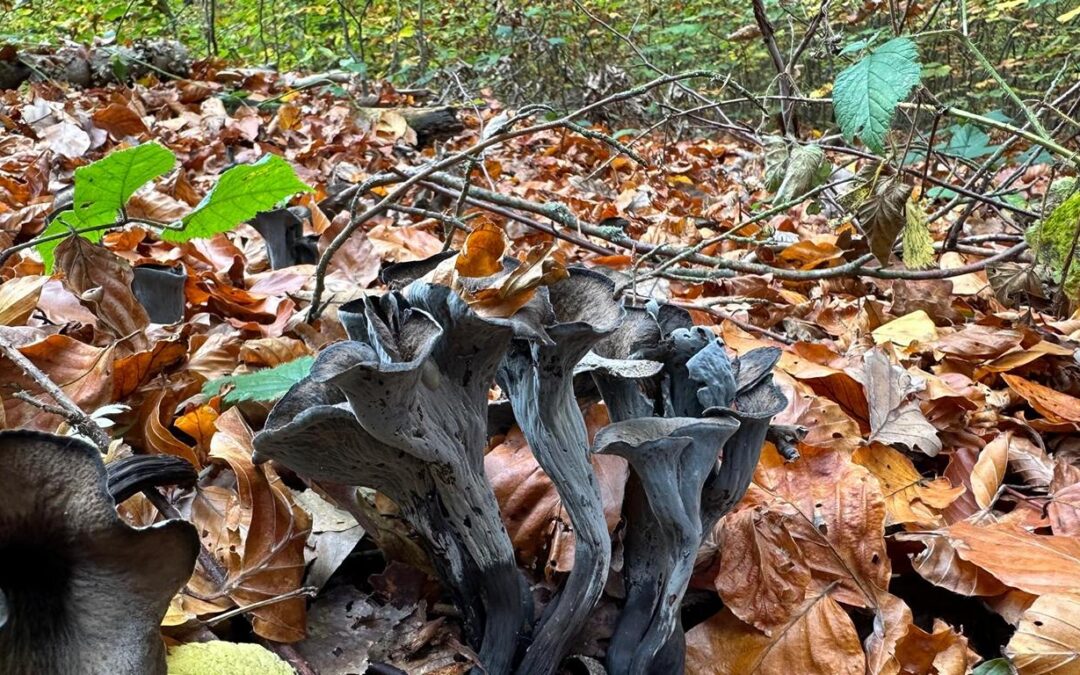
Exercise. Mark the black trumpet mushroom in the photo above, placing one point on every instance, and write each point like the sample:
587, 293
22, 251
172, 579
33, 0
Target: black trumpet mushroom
697, 381
283, 232
160, 290
401, 407
538, 379
670, 459
80, 590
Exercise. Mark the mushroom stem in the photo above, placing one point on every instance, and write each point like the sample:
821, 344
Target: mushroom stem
555, 429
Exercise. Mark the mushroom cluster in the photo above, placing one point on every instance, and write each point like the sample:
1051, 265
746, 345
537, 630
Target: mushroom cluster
80, 590
402, 407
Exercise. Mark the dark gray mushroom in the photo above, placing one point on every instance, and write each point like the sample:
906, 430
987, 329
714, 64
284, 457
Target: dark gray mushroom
670, 459
402, 407
160, 290
283, 232
538, 379
697, 380
80, 590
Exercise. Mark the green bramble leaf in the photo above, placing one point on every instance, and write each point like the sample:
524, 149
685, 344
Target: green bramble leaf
101, 190
265, 385
241, 193
865, 94
918, 245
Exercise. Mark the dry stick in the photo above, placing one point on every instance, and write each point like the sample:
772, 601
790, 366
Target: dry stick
768, 36
324, 261
68, 409
720, 267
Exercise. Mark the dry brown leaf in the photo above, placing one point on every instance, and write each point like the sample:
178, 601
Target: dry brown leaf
120, 120
1047, 641
826, 422
540, 268
820, 640
1064, 511
899, 647
909, 497
894, 417
989, 470
130, 372
1053, 405
840, 521
763, 577
979, 343
481, 255
914, 327
270, 560
1034, 563
941, 565
82, 371
86, 267
18, 298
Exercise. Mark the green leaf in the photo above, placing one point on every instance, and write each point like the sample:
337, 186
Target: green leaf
241, 193
994, 667
102, 188
262, 385
776, 158
866, 93
918, 245
968, 141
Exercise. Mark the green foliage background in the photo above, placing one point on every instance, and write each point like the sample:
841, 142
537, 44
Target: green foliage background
547, 49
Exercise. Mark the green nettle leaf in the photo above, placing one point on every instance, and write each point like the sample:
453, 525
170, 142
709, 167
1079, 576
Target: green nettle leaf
883, 214
807, 167
866, 93
241, 193
262, 385
918, 245
101, 190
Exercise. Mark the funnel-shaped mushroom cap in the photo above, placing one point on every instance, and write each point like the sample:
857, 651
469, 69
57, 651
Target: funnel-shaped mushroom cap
757, 401
671, 459
84, 592
313, 432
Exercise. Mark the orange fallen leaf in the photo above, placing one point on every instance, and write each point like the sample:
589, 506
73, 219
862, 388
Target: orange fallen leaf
820, 640
1034, 563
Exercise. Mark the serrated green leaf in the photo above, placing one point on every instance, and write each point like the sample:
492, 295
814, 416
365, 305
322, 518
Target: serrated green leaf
103, 187
866, 93
241, 193
968, 141
265, 385
807, 167
994, 667
918, 245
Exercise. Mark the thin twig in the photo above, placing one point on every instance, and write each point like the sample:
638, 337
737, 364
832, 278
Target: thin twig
68, 409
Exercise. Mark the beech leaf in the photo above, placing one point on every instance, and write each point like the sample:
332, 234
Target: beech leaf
241, 193
894, 417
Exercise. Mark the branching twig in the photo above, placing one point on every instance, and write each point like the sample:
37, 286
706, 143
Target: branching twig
67, 408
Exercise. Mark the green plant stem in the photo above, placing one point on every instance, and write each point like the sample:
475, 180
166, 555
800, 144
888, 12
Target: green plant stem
994, 74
